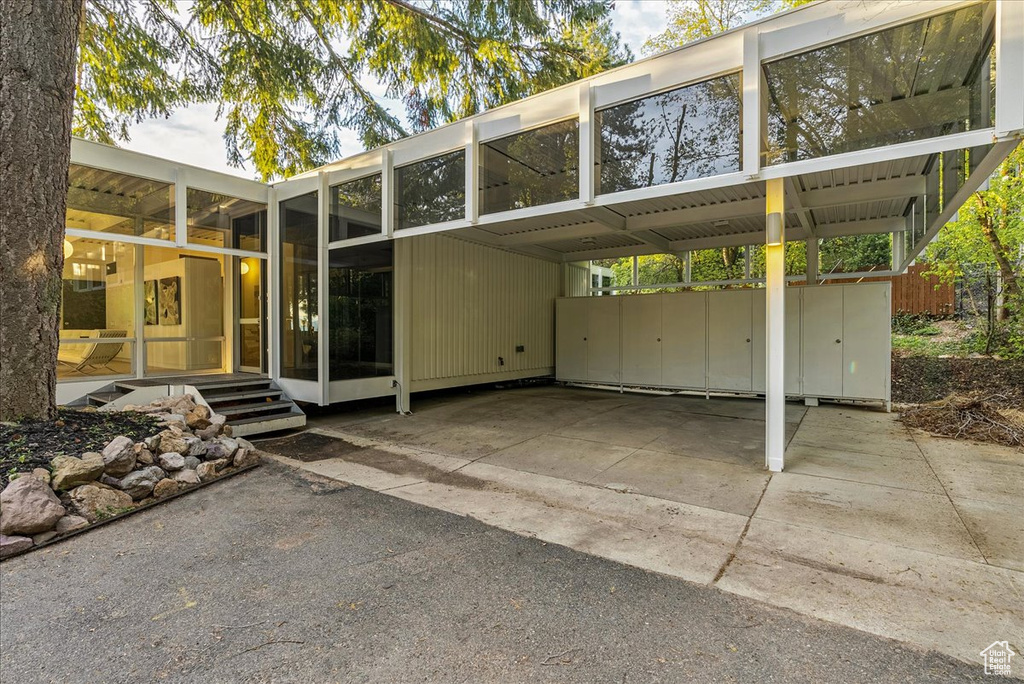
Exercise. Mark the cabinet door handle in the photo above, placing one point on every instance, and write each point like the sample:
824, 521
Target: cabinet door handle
584, 339
659, 339
748, 339
839, 341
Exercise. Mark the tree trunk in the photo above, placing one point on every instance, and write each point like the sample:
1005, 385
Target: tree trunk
1011, 289
38, 40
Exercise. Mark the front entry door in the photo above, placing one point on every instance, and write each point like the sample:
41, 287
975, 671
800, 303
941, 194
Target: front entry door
250, 280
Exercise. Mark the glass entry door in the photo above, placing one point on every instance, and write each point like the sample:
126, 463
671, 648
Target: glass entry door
250, 281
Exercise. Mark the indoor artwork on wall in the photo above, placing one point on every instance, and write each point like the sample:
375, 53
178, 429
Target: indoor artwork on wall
170, 301
151, 307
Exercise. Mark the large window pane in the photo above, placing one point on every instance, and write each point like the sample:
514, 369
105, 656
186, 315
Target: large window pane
691, 132
855, 253
116, 203
431, 191
183, 295
361, 298
356, 208
299, 312
916, 81
97, 304
224, 221
530, 168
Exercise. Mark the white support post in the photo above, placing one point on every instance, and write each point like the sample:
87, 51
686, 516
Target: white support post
273, 291
636, 271
138, 351
387, 191
775, 333
322, 278
472, 173
180, 207
587, 144
687, 269
403, 323
812, 260
229, 315
751, 85
1009, 67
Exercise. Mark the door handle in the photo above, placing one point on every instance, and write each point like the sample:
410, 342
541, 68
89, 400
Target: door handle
659, 339
839, 341
748, 339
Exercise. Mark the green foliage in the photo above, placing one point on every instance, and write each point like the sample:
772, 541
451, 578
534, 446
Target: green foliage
690, 20
286, 74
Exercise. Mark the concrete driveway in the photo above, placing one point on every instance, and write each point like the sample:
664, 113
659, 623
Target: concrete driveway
871, 526
279, 576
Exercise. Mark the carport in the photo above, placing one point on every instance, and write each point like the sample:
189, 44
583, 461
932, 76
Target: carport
446, 252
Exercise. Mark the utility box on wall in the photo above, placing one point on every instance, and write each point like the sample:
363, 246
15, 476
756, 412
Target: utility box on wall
837, 341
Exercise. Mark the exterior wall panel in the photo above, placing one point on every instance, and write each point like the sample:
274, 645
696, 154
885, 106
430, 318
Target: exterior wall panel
472, 304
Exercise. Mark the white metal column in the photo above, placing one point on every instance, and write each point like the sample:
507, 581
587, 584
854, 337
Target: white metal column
322, 288
775, 327
402, 326
812, 260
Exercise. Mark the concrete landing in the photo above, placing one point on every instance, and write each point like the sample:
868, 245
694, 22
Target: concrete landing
871, 526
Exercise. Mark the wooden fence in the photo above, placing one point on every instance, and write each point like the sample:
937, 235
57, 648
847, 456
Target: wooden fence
916, 294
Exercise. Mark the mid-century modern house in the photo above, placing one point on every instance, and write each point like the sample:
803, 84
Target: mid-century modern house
462, 255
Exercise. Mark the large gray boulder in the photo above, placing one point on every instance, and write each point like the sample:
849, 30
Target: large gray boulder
70, 472
70, 523
245, 457
29, 507
186, 477
95, 503
172, 440
222, 447
171, 461
12, 545
139, 484
119, 456
164, 488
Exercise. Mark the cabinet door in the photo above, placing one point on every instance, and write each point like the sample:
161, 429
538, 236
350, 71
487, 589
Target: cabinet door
684, 340
823, 340
570, 338
641, 339
792, 383
603, 339
729, 340
867, 330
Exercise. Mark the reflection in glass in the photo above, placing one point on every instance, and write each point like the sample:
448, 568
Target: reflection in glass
361, 296
855, 253
356, 208
690, 132
251, 293
116, 203
920, 80
223, 221
530, 168
431, 191
97, 303
299, 310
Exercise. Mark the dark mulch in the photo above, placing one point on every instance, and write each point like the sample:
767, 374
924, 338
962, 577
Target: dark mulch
28, 445
309, 446
919, 379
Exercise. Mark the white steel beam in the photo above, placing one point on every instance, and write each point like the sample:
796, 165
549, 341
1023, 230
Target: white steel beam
895, 188
775, 327
587, 143
751, 94
322, 303
812, 261
895, 224
1009, 67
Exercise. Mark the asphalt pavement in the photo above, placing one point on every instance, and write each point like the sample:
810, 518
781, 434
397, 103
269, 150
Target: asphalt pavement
276, 576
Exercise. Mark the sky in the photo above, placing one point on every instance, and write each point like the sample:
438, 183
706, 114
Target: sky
193, 135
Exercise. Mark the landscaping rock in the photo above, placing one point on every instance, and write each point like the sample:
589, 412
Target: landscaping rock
188, 477
94, 502
165, 488
119, 456
208, 433
196, 447
227, 430
221, 463
245, 457
144, 457
29, 507
198, 418
70, 472
12, 545
152, 443
171, 461
109, 481
41, 474
175, 420
191, 463
206, 471
70, 523
223, 447
172, 440
139, 484
43, 537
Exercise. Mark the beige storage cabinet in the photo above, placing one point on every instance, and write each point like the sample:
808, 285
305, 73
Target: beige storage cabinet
837, 341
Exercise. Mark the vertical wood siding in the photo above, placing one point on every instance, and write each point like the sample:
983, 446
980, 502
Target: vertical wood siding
472, 304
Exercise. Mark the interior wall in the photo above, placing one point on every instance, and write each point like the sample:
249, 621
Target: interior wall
472, 306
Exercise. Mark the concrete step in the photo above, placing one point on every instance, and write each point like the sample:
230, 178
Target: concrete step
255, 407
215, 400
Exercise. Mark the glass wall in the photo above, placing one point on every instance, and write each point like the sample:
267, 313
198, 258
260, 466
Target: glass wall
97, 303
921, 80
250, 281
356, 208
690, 132
431, 191
223, 221
361, 299
183, 326
118, 204
299, 319
855, 253
530, 168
